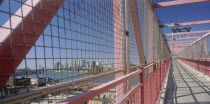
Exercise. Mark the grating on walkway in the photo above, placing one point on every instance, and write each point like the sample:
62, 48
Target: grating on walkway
186, 87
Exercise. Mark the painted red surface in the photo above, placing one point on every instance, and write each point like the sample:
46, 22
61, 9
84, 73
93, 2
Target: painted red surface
147, 91
177, 2
190, 41
33, 26
201, 65
195, 32
83, 97
187, 38
187, 23
118, 44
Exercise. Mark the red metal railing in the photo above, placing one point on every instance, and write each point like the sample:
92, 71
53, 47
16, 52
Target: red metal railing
200, 64
147, 91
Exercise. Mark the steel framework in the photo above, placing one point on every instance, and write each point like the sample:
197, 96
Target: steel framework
77, 51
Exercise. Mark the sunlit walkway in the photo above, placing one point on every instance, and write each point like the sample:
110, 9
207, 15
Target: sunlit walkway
186, 87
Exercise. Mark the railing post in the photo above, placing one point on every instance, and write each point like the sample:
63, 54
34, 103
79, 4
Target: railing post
141, 79
154, 66
208, 66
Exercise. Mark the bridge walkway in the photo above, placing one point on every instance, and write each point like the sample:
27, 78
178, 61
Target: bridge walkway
186, 86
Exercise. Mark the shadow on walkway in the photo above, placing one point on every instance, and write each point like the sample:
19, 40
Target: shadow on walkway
186, 87
171, 86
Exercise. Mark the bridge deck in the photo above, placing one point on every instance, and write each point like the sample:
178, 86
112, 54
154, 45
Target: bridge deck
186, 87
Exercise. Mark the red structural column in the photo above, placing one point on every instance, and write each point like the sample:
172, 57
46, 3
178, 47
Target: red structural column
118, 37
150, 31
24, 30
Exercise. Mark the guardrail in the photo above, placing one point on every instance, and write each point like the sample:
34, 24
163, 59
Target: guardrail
147, 90
199, 64
52, 89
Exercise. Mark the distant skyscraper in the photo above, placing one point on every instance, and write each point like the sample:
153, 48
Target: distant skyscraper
79, 63
98, 63
88, 64
83, 63
58, 65
93, 65
66, 65
40, 67
72, 63
75, 63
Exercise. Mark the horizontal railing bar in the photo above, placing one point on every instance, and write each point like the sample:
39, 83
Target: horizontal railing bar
25, 96
197, 65
149, 65
131, 92
102, 88
80, 98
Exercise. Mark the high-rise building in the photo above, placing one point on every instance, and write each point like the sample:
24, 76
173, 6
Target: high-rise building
83, 63
93, 65
58, 65
88, 64
75, 63
66, 65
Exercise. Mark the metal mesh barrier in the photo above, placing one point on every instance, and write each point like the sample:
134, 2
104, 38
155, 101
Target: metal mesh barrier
75, 41
198, 49
197, 55
51, 50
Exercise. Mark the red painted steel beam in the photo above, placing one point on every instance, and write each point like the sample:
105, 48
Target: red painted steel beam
26, 30
179, 44
177, 2
179, 47
174, 39
117, 44
136, 30
183, 33
187, 23
186, 38
190, 41
171, 45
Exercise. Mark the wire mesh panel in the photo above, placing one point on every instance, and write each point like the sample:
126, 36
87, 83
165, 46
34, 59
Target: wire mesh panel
52, 42
197, 50
134, 57
52, 50
197, 55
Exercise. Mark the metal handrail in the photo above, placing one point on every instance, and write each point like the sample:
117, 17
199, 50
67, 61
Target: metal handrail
51, 89
80, 98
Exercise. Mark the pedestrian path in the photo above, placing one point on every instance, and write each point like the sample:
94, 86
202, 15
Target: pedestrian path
186, 87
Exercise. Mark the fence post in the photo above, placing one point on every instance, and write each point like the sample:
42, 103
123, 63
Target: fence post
141, 79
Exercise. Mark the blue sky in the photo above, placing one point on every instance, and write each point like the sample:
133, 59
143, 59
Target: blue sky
81, 45
185, 13
77, 36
